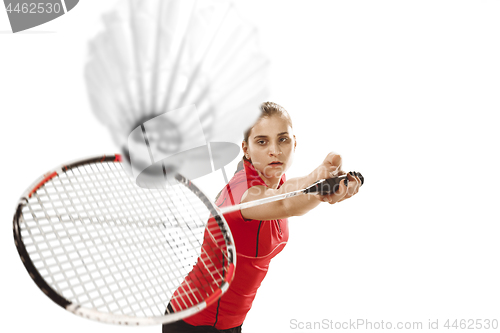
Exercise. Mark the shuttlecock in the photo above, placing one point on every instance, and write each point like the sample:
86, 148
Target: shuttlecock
179, 79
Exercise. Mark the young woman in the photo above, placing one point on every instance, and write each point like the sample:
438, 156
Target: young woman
261, 232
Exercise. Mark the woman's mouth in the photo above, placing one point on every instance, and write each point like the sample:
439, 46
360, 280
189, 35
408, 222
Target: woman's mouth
275, 164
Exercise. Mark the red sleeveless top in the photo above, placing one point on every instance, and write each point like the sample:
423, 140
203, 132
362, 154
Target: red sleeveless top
256, 242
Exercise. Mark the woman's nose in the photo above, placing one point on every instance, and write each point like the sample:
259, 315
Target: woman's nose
274, 149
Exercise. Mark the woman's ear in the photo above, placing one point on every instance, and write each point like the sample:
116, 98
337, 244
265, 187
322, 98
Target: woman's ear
294, 143
244, 147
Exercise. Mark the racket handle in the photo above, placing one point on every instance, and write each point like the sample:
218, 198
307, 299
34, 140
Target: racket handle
326, 186
330, 185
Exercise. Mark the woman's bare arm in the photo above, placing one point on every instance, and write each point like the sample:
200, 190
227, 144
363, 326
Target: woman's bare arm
301, 204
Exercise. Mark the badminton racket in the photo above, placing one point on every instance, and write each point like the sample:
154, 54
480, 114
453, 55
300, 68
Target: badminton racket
106, 249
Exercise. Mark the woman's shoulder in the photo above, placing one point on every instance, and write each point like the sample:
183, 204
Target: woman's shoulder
239, 184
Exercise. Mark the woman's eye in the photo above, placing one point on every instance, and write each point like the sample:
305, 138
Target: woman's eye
284, 139
261, 142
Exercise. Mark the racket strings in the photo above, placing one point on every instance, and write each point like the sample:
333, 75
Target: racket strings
104, 243
146, 293
211, 277
96, 274
88, 288
185, 236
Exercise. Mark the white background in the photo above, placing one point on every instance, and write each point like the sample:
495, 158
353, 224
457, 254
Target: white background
407, 91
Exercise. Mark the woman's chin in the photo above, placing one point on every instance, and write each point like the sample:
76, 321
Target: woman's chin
273, 171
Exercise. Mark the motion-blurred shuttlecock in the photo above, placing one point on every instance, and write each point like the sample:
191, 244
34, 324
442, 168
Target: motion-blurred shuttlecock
177, 82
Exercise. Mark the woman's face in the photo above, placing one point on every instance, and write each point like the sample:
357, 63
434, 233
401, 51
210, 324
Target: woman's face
270, 146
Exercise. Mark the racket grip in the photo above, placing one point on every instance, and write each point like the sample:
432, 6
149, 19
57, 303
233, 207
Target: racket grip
330, 185
326, 186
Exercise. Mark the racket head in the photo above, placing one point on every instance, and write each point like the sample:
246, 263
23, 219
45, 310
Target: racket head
106, 249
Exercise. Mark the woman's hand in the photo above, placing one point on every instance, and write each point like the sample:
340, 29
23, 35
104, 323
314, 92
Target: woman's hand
331, 167
343, 192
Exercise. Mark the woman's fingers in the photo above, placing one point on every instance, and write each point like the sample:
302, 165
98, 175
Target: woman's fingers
354, 185
338, 195
345, 192
333, 164
334, 159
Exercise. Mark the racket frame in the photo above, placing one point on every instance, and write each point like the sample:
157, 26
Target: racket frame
109, 317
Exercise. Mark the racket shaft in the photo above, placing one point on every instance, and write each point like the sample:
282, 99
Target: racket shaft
254, 203
322, 187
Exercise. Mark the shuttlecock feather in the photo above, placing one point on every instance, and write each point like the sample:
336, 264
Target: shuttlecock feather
157, 56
